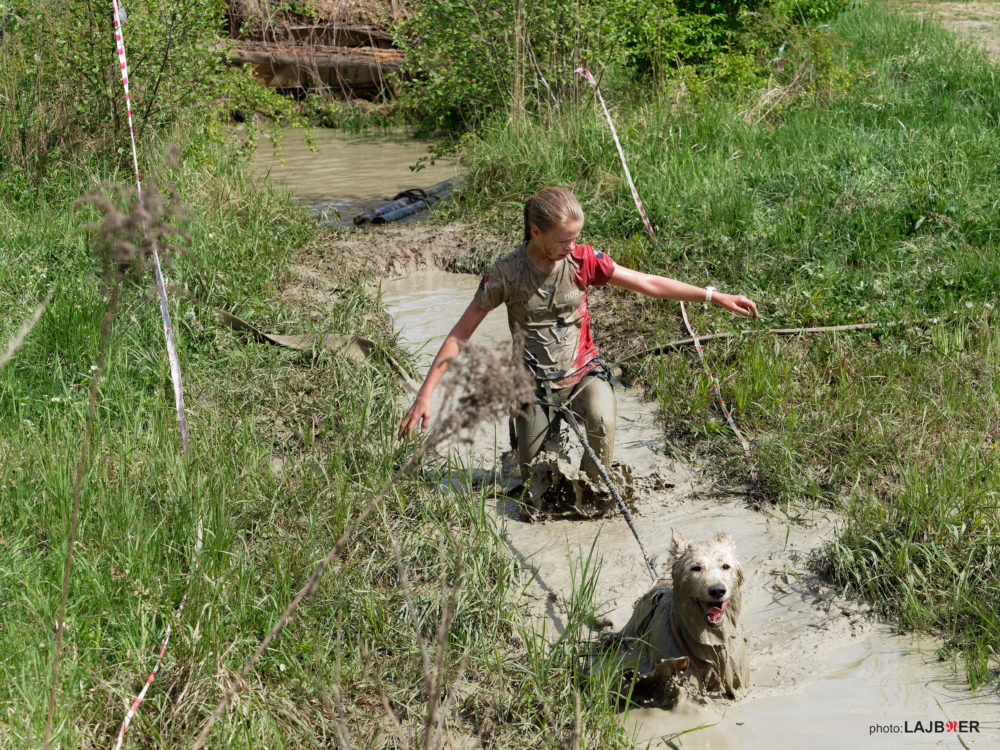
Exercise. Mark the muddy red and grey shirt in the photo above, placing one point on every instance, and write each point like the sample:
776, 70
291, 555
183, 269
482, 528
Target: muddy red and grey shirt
549, 309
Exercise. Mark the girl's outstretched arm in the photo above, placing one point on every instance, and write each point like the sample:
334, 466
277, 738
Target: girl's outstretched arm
663, 288
420, 412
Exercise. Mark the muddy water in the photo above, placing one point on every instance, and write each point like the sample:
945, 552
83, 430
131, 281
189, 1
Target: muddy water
823, 671
346, 174
425, 304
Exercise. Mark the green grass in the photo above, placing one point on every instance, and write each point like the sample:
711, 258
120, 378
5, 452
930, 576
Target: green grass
869, 194
330, 421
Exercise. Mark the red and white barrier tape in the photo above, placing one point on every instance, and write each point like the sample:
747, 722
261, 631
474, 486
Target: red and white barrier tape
159, 659
714, 383
716, 389
161, 287
614, 134
149, 681
173, 359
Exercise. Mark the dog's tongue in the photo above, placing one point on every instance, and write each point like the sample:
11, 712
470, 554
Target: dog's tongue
714, 614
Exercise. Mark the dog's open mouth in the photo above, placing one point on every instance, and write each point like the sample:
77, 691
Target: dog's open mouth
713, 611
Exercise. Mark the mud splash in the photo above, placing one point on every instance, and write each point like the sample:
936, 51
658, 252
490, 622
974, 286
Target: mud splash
823, 671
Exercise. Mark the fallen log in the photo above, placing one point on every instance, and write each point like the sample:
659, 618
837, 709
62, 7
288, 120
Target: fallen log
294, 66
320, 57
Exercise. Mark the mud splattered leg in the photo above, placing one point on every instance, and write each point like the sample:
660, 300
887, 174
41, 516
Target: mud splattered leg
534, 431
596, 407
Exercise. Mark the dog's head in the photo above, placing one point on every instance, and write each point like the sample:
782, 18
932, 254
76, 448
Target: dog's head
706, 574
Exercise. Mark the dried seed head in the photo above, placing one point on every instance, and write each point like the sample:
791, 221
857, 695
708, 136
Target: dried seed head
483, 387
126, 240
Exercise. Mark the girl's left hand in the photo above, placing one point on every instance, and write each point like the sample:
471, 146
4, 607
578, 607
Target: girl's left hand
736, 303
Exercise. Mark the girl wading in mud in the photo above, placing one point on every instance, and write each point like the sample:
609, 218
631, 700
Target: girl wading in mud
544, 285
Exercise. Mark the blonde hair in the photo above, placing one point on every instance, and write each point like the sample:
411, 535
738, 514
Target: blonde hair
549, 207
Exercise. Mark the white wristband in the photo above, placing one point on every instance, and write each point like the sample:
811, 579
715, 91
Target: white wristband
708, 293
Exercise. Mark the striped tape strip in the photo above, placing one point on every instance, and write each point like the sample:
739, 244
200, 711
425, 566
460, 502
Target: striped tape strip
149, 681
716, 391
715, 387
161, 288
173, 359
159, 658
614, 134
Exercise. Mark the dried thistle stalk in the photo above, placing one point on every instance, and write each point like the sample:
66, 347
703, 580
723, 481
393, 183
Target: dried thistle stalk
24, 330
81, 470
483, 387
125, 241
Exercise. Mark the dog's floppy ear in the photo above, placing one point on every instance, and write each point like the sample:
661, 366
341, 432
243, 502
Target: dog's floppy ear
727, 539
678, 543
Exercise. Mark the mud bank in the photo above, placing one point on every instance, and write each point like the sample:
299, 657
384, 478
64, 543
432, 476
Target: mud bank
824, 671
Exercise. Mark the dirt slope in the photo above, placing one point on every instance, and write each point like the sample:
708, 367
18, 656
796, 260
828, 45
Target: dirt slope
979, 20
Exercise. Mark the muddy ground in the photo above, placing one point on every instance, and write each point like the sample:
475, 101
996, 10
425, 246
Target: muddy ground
980, 21
389, 251
821, 665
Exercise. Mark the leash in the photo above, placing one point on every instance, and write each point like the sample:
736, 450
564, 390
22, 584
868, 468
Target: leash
571, 420
713, 381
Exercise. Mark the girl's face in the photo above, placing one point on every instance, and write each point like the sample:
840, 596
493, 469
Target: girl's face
557, 242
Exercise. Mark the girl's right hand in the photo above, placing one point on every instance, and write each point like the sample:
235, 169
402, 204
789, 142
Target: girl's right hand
418, 415
736, 303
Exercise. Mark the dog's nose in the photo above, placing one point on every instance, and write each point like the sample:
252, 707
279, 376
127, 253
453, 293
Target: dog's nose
717, 592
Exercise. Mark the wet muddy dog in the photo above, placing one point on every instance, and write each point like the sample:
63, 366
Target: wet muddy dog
689, 627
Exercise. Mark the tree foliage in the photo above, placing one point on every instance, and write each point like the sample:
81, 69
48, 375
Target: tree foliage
466, 58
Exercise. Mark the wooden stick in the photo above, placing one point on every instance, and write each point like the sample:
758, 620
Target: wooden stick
679, 343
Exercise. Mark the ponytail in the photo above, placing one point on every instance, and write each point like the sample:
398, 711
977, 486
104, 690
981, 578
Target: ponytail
550, 207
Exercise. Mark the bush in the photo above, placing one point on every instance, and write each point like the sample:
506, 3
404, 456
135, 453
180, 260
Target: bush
467, 58
812, 10
60, 82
